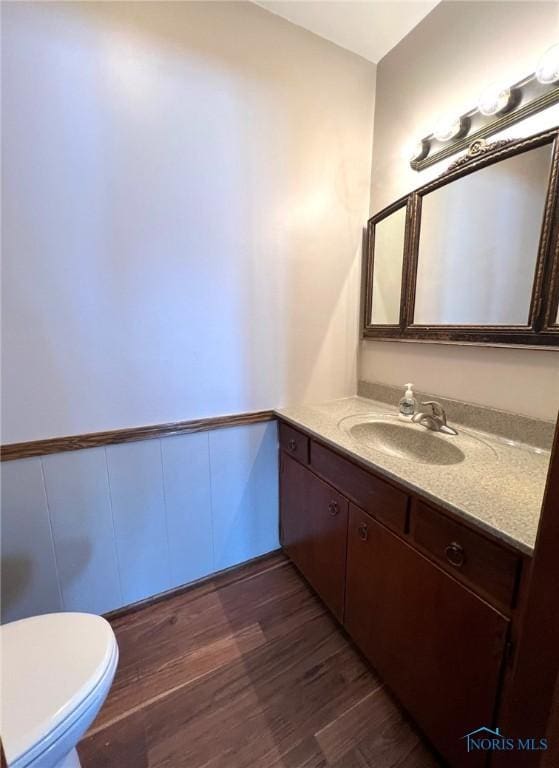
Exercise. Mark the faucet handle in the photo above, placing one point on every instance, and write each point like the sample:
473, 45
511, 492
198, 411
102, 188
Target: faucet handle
437, 408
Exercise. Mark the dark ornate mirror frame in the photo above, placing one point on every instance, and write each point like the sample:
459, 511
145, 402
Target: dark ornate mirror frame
388, 331
542, 329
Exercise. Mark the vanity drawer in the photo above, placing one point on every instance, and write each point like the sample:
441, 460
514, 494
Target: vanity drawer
489, 568
294, 443
379, 499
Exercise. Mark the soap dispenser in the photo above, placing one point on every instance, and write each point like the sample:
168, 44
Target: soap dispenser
408, 404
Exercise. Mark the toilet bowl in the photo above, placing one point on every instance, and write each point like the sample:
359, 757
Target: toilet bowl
57, 670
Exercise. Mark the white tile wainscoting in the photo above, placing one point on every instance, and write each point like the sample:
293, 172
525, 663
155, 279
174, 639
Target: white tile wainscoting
100, 528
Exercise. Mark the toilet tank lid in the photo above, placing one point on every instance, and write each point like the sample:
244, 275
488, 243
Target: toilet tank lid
49, 665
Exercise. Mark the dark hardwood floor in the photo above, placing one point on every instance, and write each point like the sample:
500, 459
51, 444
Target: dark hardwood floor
246, 670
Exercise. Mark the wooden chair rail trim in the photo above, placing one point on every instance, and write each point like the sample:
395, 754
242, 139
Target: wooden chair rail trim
26, 450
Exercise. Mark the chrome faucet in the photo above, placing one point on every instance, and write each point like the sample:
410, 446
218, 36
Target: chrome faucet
436, 420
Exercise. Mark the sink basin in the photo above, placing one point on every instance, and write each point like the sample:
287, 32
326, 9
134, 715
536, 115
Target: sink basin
412, 442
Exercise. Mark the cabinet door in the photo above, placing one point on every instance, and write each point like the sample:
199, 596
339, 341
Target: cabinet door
314, 531
438, 646
294, 502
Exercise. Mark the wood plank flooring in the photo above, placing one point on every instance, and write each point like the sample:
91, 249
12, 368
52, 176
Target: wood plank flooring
248, 669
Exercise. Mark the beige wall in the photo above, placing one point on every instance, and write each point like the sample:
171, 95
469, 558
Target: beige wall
440, 67
184, 190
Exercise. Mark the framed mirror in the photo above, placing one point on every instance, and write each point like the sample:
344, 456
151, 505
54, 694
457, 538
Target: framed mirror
477, 251
386, 239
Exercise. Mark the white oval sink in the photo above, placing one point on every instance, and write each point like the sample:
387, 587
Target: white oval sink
412, 442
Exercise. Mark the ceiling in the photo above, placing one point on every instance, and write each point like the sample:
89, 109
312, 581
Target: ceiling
370, 28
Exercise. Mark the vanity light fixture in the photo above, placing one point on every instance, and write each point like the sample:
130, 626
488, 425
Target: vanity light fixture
495, 99
500, 105
547, 71
449, 127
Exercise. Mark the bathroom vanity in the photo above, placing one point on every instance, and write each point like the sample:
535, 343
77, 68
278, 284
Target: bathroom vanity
421, 543
429, 586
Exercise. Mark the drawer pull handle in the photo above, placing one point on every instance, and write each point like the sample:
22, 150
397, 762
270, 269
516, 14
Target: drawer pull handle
333, 508
455, 554
363, 532
292, 445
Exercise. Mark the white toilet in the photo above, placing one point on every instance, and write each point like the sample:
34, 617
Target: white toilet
57, 670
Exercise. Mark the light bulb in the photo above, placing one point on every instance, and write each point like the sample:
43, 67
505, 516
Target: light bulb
448, 127
547, 71
418, 150
494, 99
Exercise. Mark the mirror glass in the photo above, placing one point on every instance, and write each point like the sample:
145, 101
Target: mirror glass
478, 244
387, 268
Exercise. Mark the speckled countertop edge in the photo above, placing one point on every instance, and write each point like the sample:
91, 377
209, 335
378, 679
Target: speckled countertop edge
505, 503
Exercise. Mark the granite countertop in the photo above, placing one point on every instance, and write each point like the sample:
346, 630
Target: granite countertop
499, 486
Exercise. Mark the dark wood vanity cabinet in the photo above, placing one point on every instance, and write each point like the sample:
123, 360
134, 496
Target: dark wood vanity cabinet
314, 531
437, 645
427, 599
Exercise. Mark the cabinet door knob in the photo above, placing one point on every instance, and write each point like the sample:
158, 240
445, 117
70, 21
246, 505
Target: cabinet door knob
455, 554
333, 508
363, 532
292, 444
